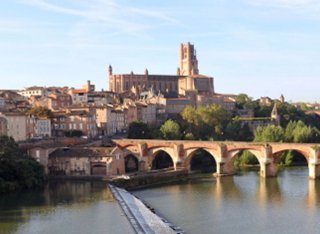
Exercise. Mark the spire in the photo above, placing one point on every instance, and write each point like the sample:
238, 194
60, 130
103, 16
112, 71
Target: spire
178, 71
274, 115
282, 98
110, 70
274, 111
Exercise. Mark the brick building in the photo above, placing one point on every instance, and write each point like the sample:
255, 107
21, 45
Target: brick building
186, 79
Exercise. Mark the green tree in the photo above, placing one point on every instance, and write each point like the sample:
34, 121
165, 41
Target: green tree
247, 158
234, 131
170, 130
243, 101
289, 131
298, 131
17, 170
139, 130
270, 133
206, 122
263, 111
188, 136
9, 149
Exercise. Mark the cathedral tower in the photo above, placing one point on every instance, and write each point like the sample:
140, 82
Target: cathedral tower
188, 60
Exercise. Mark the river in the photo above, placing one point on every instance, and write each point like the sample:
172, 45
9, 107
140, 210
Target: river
243, 203
63, 207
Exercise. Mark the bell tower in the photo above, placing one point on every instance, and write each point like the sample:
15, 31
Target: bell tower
188, 60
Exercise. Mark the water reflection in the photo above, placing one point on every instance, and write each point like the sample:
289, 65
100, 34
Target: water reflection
313, 196
269, 191
245, 203
226, 188
62, 207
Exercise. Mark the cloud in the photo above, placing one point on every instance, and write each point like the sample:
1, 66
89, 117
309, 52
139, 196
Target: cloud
123, 18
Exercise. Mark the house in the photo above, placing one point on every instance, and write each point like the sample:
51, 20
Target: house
16, 125
33, 91
80, 161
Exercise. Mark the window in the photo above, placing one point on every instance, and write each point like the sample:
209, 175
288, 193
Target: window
37, 154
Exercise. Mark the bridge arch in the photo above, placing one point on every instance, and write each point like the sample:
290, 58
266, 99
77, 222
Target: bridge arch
201, 159
161, 159
301, 158
131, 163
233, 154
277, 153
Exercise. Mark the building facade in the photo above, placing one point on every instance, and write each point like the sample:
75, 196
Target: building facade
186, 79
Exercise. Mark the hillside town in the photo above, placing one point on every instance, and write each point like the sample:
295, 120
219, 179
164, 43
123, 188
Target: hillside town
47, 121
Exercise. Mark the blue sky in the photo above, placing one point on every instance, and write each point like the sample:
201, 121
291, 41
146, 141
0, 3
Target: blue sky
258, 47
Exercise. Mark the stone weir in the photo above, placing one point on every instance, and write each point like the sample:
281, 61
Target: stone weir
142, 219
150, 179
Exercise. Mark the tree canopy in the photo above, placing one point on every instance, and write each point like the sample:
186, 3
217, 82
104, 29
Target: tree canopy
17, 170
206, 122
296, 131
139, 130
270, 133
40, 111
171, 130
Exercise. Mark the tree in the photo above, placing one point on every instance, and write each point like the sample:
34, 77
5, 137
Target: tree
170, 130
234, 131
40, 111
206, 122
270, 133
9, 149
243, 101
298, 131
139, 130
289, 131
188, 136
247, 158
17, 170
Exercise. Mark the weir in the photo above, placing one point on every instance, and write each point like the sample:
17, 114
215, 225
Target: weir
142, 219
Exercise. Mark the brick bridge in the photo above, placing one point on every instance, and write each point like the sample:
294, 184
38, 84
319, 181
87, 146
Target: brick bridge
224, 153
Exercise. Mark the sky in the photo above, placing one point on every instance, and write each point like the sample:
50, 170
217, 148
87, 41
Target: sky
258, 47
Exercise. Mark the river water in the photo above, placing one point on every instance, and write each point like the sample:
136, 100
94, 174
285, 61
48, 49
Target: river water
244, 203
63, 207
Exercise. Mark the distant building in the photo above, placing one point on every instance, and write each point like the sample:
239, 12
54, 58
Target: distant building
80, 161
33, 91
254, 122
89, 87
282, 100
265, 101
75, 119
3, 125
187, 78
54, 101
17, 125
43, 127
79, 96
2, 103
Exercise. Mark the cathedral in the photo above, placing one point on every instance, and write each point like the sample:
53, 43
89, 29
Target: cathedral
186, 82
